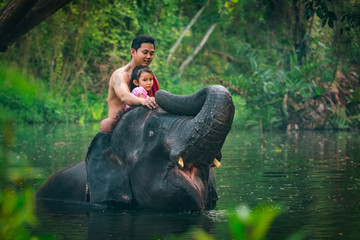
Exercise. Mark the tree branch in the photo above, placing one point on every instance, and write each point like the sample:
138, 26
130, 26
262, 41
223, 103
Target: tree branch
11, 14
198, 48
23, 15
176, 45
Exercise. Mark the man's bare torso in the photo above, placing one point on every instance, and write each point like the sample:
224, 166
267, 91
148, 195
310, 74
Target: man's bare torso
120, 76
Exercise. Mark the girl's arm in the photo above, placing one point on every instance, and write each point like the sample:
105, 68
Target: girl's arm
141, 96
140, 92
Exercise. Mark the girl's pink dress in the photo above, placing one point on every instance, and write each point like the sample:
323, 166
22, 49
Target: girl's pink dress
137, 91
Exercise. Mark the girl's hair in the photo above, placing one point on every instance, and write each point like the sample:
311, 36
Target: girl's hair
136, 73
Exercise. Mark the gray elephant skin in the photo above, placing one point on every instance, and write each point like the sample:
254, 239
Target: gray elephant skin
159, 159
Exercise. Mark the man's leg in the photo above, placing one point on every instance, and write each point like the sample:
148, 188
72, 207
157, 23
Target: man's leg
108, 124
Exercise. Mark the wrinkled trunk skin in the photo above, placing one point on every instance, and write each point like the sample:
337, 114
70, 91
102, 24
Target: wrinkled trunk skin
203, 136
138, 164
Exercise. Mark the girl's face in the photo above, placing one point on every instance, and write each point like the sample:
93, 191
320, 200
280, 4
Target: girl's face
145, 81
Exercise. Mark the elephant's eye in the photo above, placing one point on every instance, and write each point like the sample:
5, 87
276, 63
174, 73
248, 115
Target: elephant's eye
150, 133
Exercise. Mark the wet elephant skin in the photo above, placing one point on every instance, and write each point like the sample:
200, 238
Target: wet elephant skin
155, 159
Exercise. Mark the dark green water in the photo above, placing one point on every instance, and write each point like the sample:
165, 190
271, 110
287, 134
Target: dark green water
313, 175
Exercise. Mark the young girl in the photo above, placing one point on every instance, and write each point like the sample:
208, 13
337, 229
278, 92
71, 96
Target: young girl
141, 83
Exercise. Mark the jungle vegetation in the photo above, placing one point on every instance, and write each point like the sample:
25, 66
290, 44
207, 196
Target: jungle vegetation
288, 64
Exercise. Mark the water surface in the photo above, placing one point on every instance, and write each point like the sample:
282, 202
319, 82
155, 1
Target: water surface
312, 175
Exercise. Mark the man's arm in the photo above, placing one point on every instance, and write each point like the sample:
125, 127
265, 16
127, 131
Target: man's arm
122, 91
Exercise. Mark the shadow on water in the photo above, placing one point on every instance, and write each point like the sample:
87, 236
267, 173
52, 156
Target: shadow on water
72, 221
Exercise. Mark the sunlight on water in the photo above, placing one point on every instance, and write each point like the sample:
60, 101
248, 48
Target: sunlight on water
313, 175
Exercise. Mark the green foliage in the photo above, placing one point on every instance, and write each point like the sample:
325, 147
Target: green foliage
26, 99
196, 234
350, 17
276, 59
16, 197
320, 8
97, 110
243, 115
278, 90
247, 224
16, 211
19, 97
252, 225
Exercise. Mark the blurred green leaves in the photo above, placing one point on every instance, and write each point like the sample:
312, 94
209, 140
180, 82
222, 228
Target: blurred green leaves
252, 225
16, 212
22, 97
247, 224
26, 99
97, 110
16, 195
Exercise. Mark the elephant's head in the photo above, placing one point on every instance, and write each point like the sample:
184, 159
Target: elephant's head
162, 158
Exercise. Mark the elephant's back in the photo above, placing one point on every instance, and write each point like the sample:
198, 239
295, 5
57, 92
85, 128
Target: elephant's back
66, 185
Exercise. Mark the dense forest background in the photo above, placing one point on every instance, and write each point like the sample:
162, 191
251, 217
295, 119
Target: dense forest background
288, 64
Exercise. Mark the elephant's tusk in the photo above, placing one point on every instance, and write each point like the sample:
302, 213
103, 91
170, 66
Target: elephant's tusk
217, 163
181, 162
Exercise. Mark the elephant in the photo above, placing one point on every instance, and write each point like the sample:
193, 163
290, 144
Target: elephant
160, 159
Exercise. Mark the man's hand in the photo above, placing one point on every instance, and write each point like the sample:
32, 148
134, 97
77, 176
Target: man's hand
149, 102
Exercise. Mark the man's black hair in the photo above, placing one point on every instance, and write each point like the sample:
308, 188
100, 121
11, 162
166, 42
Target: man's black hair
136, 43
136, 73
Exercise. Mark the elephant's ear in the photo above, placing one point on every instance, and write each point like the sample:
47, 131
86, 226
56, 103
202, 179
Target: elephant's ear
107, 176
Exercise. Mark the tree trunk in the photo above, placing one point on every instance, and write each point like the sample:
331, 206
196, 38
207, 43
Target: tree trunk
20, 16
299, 31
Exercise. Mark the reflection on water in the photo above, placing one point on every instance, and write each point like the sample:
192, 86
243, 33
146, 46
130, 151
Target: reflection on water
313, 175
84, 222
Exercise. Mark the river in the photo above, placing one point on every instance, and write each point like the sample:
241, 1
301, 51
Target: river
312, 176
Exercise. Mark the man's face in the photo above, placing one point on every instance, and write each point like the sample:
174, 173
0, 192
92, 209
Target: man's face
144, 55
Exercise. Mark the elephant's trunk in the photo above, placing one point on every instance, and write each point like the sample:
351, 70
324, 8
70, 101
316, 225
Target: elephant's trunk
201, 137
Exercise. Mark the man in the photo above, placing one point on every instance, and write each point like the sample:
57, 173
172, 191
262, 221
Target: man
142, 53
